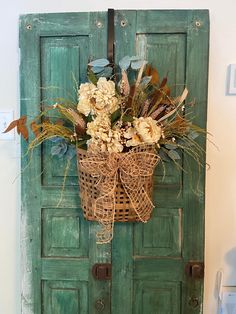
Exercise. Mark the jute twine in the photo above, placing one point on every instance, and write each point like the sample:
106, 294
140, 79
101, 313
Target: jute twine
132, 169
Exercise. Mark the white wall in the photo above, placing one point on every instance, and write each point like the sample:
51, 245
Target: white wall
221, 178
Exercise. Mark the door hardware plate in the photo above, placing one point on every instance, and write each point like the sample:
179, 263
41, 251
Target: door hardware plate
195, 270
102, 271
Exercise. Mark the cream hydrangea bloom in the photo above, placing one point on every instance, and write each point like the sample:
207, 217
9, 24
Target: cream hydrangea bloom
105, 100
99, 127
107, 87
113, 144
87, 90
103, 138
86, 98
147, 129
84, 106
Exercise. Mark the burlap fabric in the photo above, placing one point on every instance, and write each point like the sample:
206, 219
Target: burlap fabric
116, 187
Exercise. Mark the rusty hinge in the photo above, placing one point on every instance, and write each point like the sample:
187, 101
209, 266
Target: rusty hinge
194, 270
102, 271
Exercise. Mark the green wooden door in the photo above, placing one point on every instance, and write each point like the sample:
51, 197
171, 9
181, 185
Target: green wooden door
151, 264
58, 245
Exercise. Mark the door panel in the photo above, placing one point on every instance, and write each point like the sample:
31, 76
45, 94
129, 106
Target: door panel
63, 297
156, 297
161, 236
168, 53
160, 248
59, 250
148, 260
64, 233
63, 63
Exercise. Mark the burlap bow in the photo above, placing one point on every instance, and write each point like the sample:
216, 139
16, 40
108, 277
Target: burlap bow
132, 169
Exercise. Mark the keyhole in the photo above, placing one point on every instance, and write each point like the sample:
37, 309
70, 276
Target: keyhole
99, 305
193, 302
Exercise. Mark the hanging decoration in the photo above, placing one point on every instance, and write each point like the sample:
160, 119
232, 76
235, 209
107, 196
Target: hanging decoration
124, 122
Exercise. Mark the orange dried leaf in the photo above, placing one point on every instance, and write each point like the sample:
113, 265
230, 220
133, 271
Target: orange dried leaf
155, 76
35, 128
11, 126
148, 70
163, 82
153, 73
22, 129
166, 90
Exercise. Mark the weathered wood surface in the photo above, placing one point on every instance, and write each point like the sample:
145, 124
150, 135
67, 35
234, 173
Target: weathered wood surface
58, 246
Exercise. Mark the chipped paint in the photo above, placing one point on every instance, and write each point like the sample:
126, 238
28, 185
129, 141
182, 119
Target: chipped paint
26, 267
141, 46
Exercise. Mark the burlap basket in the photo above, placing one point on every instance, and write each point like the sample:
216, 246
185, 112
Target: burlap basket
124, 212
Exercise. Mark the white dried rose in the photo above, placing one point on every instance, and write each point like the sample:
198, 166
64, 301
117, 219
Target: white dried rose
132, 137
97, 99
147, 129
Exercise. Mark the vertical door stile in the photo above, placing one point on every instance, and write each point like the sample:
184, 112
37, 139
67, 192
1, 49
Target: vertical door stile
194, 184
99, 291
31, 193
122, 243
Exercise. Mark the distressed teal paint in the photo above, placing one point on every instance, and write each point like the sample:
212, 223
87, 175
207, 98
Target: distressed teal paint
59, 248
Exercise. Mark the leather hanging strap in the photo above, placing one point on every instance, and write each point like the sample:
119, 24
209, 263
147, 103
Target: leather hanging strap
111, 36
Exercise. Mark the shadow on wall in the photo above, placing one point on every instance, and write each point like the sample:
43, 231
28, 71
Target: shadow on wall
230, 258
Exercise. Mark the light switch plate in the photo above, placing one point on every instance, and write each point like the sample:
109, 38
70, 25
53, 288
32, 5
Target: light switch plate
228, 305
6, 117
232, 79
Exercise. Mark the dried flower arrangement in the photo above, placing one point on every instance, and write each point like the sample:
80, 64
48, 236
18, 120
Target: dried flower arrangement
127, 121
